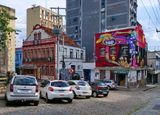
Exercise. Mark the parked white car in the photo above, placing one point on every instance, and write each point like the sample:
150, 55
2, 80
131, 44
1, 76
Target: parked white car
56, 89
111, 84
22, 88
80, 88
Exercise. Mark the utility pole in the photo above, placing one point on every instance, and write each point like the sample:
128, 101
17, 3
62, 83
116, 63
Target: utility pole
57, 30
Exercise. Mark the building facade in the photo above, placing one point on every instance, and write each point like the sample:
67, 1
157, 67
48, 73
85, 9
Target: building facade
18, 60
42, 16
42, 59
84, 18
121, 55
153, 60
7, 57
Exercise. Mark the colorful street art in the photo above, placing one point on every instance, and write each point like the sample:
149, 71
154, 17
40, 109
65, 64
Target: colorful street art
121, 48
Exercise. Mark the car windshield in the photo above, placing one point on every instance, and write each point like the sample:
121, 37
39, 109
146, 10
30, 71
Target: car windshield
82, 83
24, 81
59, 84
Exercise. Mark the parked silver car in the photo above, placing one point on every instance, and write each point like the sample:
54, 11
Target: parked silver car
22, 88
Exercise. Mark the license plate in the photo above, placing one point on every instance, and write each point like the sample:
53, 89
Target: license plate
61, 94
24, 91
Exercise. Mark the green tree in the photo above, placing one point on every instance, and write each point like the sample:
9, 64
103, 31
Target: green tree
5, 30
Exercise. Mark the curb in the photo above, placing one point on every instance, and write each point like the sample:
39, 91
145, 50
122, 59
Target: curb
150, 88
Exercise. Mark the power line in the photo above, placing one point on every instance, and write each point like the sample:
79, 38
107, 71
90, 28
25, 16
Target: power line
154, 12
148, 14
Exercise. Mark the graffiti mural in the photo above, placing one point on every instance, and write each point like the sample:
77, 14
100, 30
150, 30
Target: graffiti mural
120, 48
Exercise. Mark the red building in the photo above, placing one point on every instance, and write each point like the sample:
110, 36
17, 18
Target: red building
121, 55
39, 53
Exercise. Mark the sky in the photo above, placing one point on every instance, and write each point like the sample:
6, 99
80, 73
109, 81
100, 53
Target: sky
148, 15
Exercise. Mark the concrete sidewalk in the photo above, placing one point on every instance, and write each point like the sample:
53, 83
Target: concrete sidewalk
147, 87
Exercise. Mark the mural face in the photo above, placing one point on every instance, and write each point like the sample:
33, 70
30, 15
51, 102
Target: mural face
118, 48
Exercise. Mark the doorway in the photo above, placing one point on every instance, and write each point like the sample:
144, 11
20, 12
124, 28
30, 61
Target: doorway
121, 79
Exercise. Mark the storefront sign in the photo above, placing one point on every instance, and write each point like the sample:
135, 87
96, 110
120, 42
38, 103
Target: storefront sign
121, 71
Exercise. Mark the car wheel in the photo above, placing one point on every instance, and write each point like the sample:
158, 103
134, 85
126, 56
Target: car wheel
88, 97
8, 103
94, 94
75, 96
105, 95
47, 100
109, 87
36, 103
41, 95
69, 100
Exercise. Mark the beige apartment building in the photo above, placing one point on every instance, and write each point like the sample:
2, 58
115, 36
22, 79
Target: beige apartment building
7, 57
42, 16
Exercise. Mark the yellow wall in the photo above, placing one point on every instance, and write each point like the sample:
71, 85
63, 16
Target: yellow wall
35, 16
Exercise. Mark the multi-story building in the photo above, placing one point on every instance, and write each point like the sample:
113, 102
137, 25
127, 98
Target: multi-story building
40, 56
7, 57
153, 61
121, 55
18, 60
42, 16
84, 18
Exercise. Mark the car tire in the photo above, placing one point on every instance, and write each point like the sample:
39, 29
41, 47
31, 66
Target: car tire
94, 94
105, 95
36, 103
109, 87
70, 100
88, 97
8, 103
46, 99
41, 96
75, 96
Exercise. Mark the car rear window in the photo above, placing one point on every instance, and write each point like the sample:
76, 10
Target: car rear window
24, 81
101, 83
108, 81
59, 84
82, 83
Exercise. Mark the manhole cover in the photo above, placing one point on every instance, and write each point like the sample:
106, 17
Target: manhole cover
156, 107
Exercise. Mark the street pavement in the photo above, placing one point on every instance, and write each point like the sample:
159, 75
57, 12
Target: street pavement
118, 102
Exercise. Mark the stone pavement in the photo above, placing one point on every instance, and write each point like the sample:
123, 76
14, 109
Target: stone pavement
152, 108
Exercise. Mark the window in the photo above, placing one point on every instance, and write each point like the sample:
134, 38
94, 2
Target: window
81, 54
65, 52
39, 35
77, 54
102, 3
102, 52
71, 53
59, 84
112, 51
124, 50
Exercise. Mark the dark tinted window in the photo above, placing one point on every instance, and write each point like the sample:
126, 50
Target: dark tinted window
24, 81
59, 84
71, 83
82, 83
